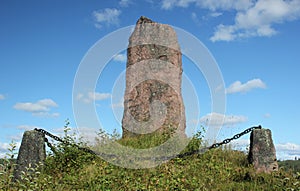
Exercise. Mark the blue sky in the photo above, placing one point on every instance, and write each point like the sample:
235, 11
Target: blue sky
255, 44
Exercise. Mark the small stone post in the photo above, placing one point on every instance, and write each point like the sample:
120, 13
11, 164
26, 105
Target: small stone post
262, 154
32, 152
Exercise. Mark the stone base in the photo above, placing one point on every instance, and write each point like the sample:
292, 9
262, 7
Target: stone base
262, 154
31, 153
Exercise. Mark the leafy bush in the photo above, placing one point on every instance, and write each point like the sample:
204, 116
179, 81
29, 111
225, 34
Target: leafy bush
7, 167
66, 158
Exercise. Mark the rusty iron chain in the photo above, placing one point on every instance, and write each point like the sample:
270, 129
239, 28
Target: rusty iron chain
216, 145
56, 138
50, 146
237, 136
198, 151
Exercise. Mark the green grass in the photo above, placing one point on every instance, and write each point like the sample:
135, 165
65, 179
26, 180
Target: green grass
218, 169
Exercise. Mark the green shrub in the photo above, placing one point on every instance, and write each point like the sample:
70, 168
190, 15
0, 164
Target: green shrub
7, 167
67, 158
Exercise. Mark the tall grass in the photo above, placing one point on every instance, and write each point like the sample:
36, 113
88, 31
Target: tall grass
218, 169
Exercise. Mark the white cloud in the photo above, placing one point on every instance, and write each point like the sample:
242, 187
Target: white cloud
17, 137
92, 96
267, 115
216, 14
107, 16
252, 18
98, 96
40, 108
258, 20
287, 151
240, 143
239, 87
41, 105
168, 4
27, 127
208, 4
217, 119
120, 104
88, 135
224, 4
2, 97
124, 3
224, 33
288, 147
120, 58
5, 146
195, 17
184, 3
79, 96
46, 114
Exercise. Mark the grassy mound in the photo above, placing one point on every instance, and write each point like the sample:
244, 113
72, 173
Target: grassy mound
217, 169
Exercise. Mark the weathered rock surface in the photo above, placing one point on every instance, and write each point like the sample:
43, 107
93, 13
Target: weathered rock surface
153, 100
31, 153
262, 152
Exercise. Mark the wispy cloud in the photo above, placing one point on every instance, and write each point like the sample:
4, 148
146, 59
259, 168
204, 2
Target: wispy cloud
46, 114
92, 96
2, 97
107, 16
124, 3
119, 104
226, 5
240, 143
168, 4
212, 5
240, 87
287, 151
195, 18
217, 119
40, 108
98, 96
5, 146
27, 127
88, 135
215, 14
120, 58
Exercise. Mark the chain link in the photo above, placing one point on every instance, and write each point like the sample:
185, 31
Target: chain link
50, 146
56, 138
237, 136
164, 158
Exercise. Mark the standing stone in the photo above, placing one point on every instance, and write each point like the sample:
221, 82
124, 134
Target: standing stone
31, 153
153, 101
262, 154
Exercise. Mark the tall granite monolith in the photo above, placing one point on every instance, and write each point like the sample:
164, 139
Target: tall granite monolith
262, 154
32, 152
153, 101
